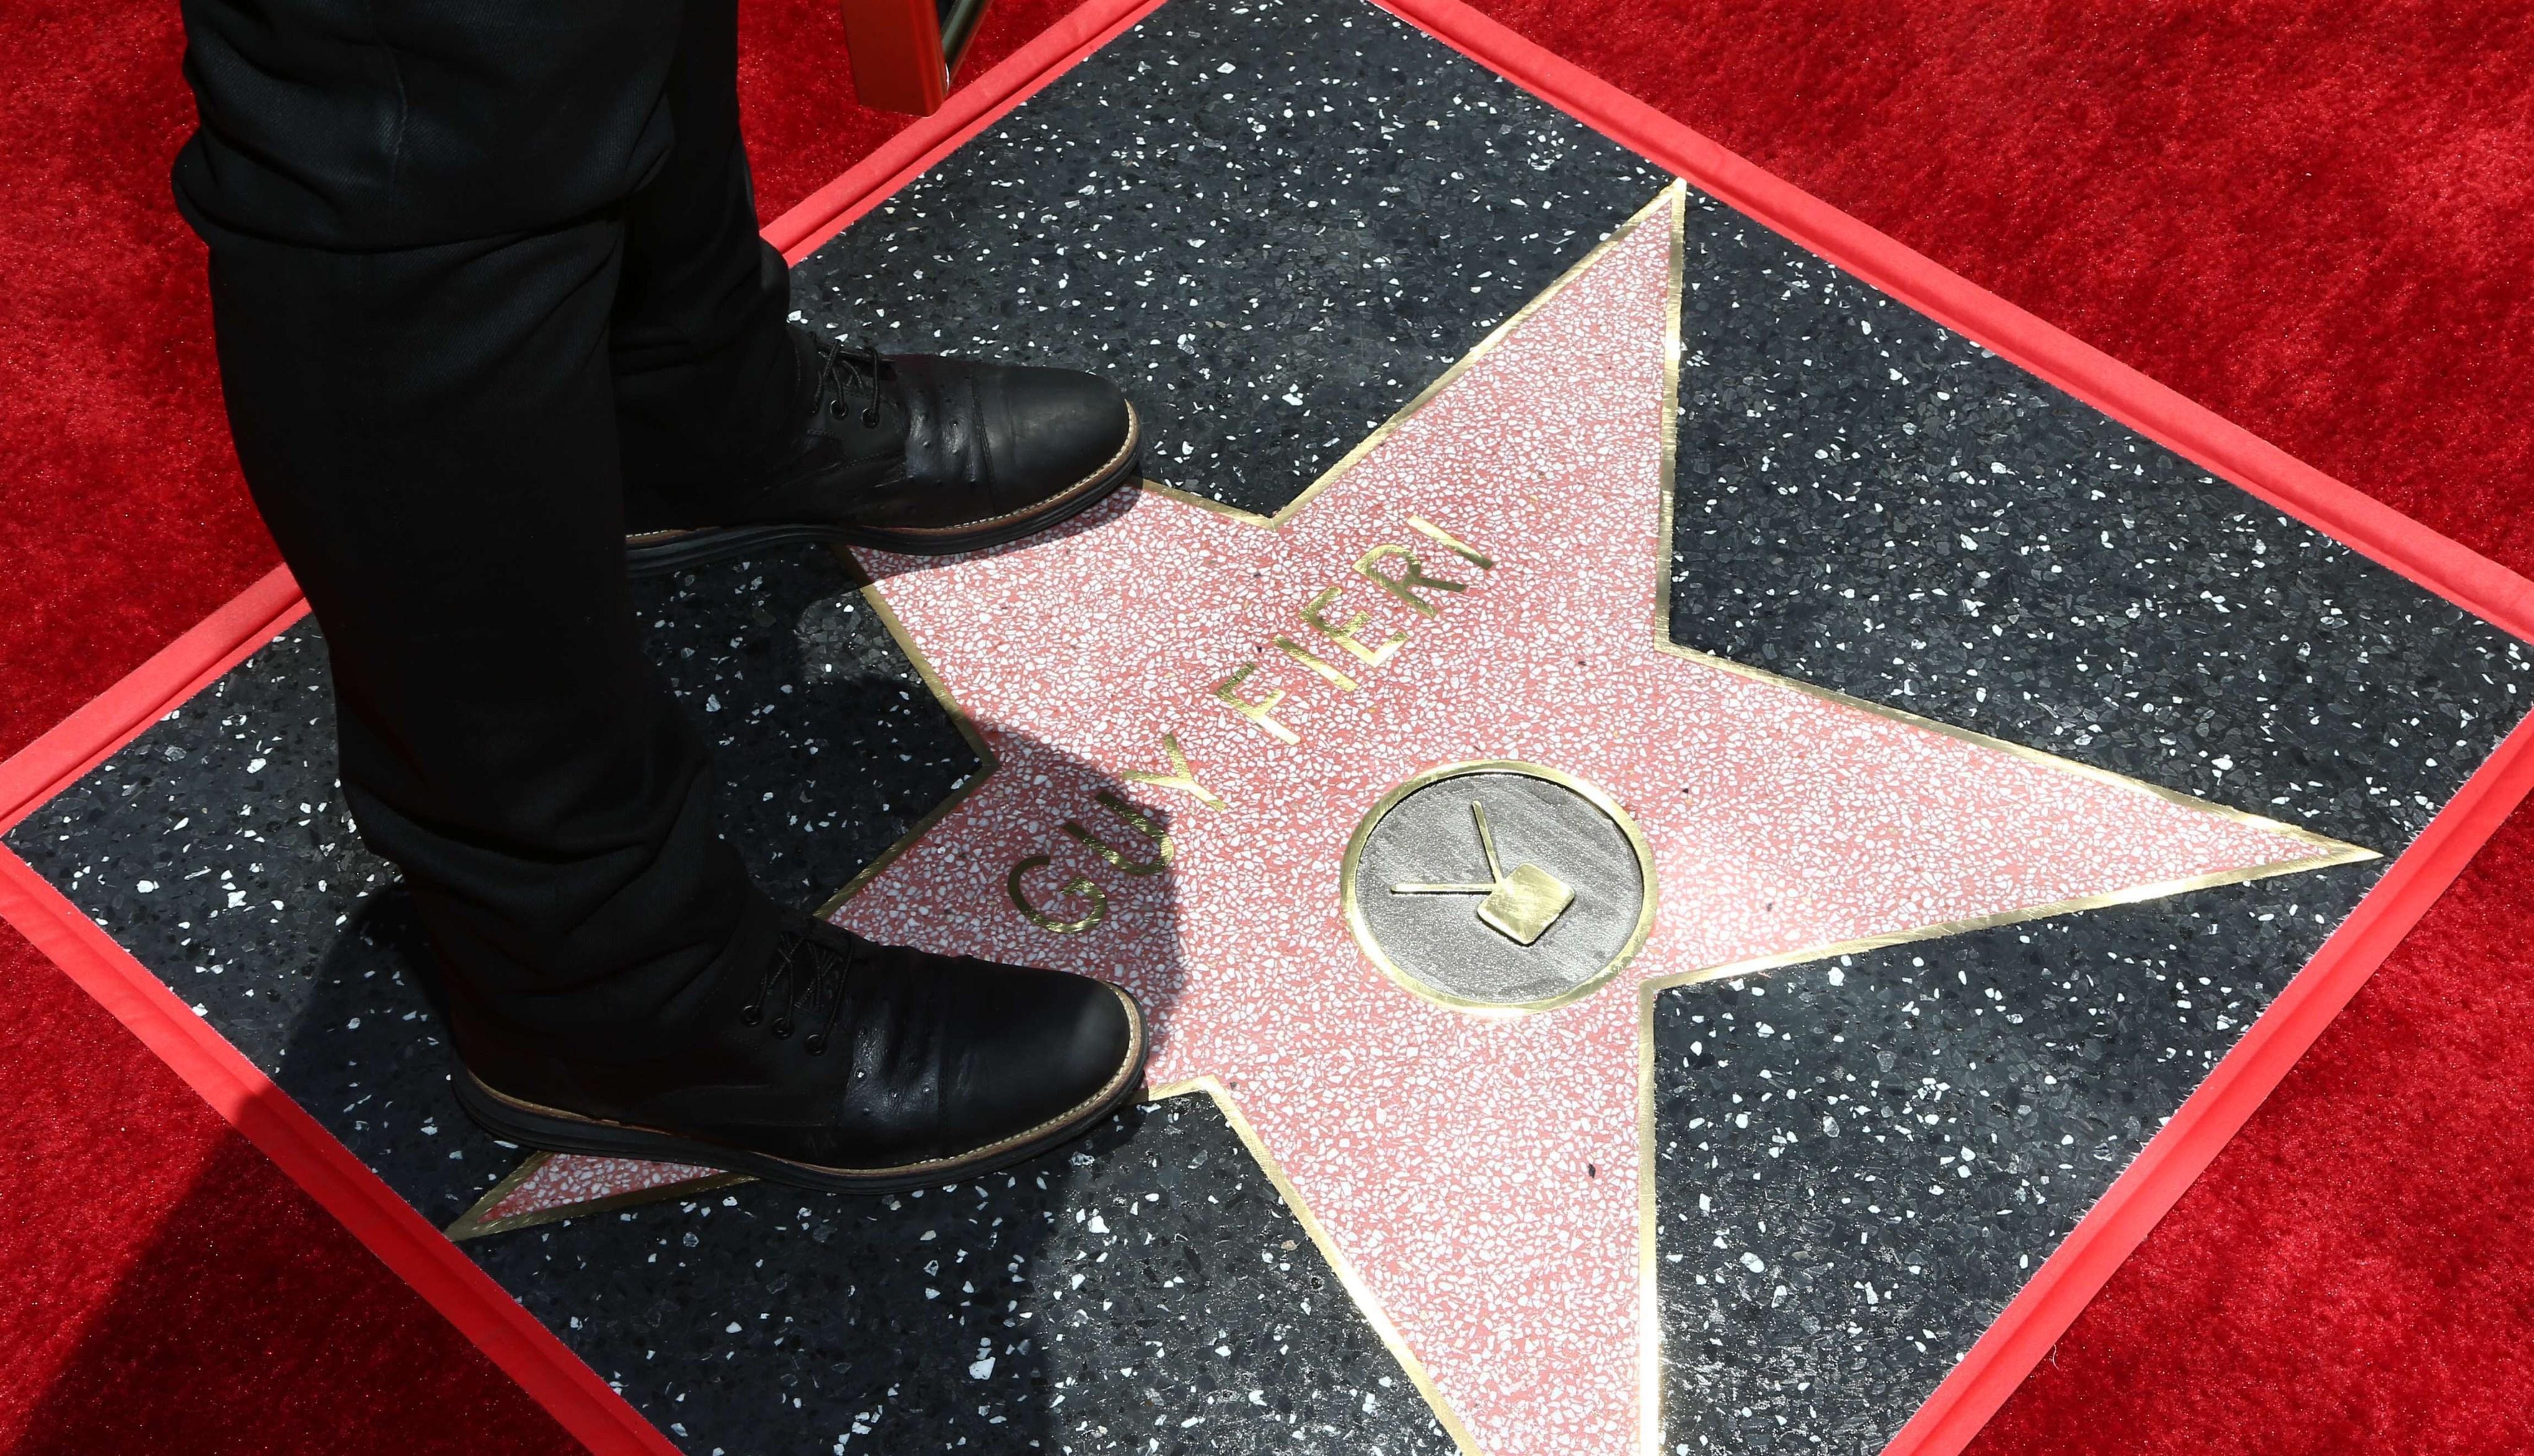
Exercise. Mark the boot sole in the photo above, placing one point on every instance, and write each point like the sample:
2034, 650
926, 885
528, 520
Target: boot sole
556, 1131
655, 552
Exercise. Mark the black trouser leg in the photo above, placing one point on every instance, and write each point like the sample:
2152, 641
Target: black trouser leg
705, 377
418, 215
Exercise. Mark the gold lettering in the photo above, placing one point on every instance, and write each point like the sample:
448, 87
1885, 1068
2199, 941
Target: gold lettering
1227, 693
1348, 636
1090, 894
1412, 575
1302, 655
1454, 544
1164, 851
1178, 777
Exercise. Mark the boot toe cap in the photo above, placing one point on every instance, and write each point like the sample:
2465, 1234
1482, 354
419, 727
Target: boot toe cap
1069, 429
1058, 1046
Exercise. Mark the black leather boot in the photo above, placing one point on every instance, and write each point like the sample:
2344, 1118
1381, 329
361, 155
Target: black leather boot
840, 1065
915, 453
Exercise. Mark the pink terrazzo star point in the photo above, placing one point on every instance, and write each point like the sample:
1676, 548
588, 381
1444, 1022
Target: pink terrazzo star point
1475, 1178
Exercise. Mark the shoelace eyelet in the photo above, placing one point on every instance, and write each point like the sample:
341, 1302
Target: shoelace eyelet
841, 368
801, 977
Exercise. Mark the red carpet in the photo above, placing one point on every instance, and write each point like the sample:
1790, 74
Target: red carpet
2311, 220
2356, 1271
2313, 225
166, 1289
126, 523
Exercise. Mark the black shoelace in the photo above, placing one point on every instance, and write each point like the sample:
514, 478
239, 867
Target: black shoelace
805, 984
842, 367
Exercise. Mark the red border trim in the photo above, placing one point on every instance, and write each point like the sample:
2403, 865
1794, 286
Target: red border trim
2374, 530
390, 1228
2165, 1168
2070, 1278
2066, 1281
282, 1131
116, 716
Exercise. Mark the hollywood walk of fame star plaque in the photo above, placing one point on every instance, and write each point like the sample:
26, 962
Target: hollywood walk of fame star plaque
1396, 807
1570, 1186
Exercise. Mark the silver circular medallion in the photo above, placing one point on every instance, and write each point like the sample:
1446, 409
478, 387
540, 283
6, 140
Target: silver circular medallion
1499, 886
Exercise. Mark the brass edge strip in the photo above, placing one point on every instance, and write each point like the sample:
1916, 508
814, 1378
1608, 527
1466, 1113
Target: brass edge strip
986, 762
2162, 889
1650, 1329
1663, 553
1362, 1293
2348, 852
1671, 196
473, 1225
1648, 1301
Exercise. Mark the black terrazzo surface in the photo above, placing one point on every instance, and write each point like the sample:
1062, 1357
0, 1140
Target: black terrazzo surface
1867, 502
1860, 1162
218, 849
219, 842
1148, 1286
1146, 1292
1870, 503
1271, 221
1272, 286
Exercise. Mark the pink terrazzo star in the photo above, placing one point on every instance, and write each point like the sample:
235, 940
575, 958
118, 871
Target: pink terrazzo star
1475, 1178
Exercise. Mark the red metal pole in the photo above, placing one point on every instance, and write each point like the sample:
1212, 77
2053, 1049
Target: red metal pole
895, 47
